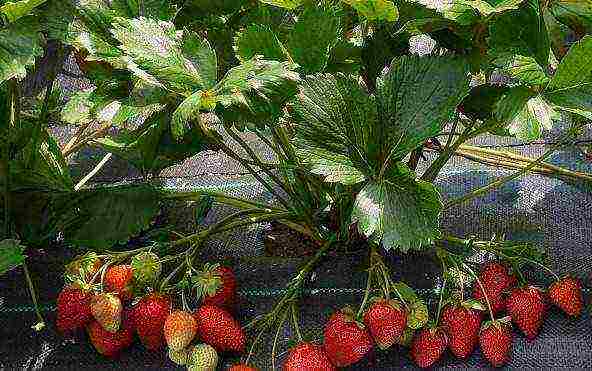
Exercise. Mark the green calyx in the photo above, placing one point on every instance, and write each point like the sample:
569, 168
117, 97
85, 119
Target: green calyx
208, 281
146, 267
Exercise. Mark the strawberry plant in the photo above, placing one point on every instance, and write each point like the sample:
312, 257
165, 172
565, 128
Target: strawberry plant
348, 114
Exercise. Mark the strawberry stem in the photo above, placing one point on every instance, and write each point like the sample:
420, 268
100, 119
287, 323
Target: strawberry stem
441, 297
482, 289
40, 321
368, 288
275, 339
295, 322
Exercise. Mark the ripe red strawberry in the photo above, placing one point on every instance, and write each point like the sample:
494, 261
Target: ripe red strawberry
242, 367
118, 279
308, 356
462, 326
106, 308
150, 313
179, 329
496, 280
109, 343
526, 306
428, 346
218, 328
386, 321
73, 308
567, 295
495, 340
217, 286
346, 341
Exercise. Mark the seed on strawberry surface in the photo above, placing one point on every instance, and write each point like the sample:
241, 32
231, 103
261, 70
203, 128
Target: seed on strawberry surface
566, 294
202, 357
180, 356
179, 329
428, 346
526, 306
346, 340
386, 321
307, 356
495, 340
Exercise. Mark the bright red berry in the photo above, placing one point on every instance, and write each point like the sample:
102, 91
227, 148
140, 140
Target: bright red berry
179, 329
386, 321
428, 346
118, 279
110, 344
496, 280
73, 307
218, 328
462, 325
217, 286
346, 340
495, 340
308, 356
242, 367
567, 295
149, 314
526, 306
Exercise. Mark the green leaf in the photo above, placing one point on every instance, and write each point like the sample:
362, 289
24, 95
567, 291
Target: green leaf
188, 109
481, 101
158, 54
416, 97
576, 14
468, 12
121, 212
526, 70
402, 213
406, 292
375, 10
163, 10
20, 45
571, 86
258, 40
535, 116
199, 51
256, 91
287, 4
11, 255
312, 38
78, 109
520, 32
13, 11
334, 124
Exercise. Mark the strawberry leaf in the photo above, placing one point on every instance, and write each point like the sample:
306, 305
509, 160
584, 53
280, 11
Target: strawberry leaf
11, 255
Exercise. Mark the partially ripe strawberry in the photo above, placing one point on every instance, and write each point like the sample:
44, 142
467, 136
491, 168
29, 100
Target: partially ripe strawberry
83, 268
567, 295
526, 306
217, 286
218, 328
118, 279
107, 308
179, 357
386, 321
496, 279
495, 340
107, 343
242, 367
346, 340
179, 329
73, 307
462, 326
150, 313
428, 346
308, 356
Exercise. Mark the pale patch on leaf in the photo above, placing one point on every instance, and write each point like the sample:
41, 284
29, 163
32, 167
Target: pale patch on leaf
375, 10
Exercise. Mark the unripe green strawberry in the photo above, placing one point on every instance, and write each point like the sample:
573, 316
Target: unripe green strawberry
118, 279
218, 328
567, 295
386, 321
202, 357
495, 340
179, 329
346, 340
180, 356
307, 356
146, 267
526, 306
107, 308
73, 309
428, 346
